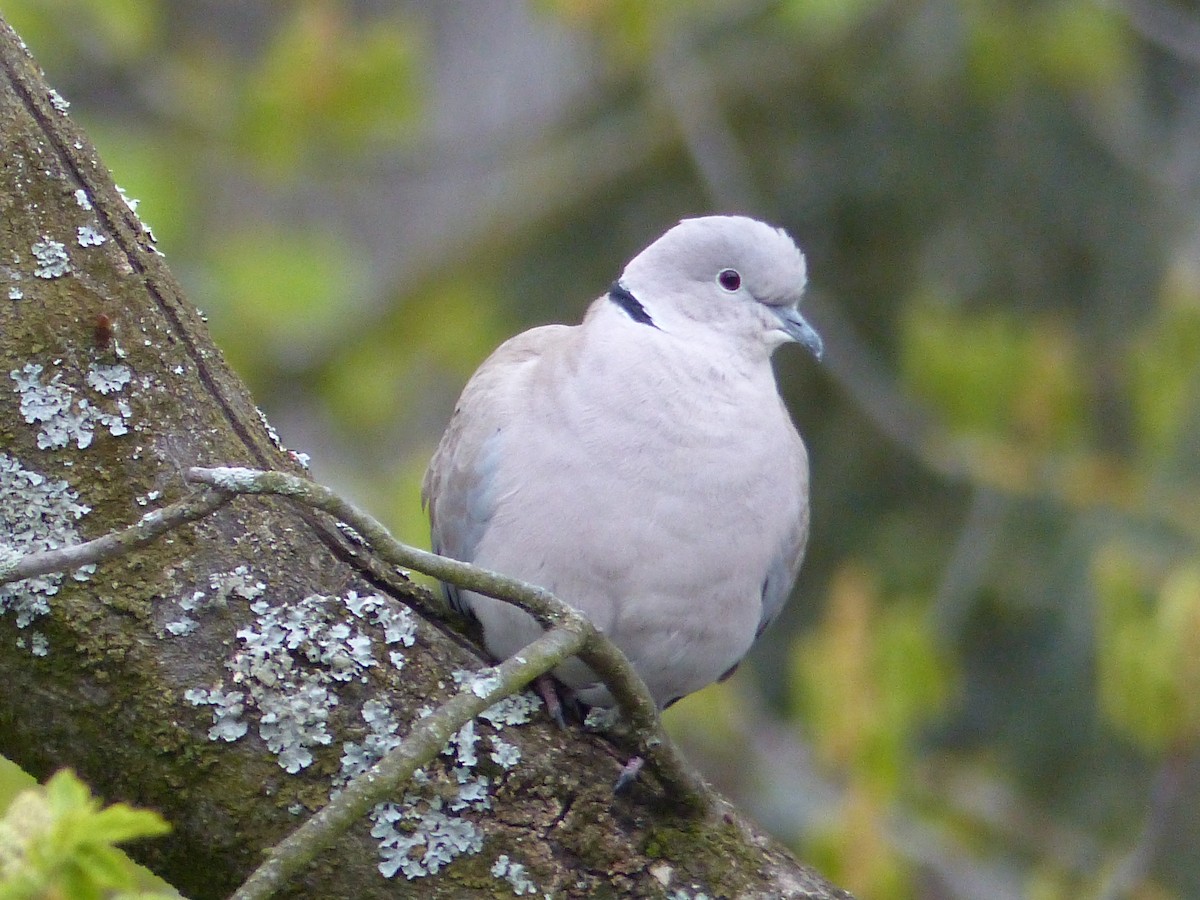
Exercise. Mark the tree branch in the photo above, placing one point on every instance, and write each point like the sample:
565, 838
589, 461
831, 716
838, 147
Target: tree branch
16, 567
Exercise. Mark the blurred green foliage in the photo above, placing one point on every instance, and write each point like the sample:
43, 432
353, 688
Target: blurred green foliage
870, 680
57, 841
1164, 368
996, 638
991, 374
1148, 647
325, 87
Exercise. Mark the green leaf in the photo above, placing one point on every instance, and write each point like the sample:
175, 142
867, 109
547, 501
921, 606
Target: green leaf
1148, 646
870, 678
330, 85
57, 841
104, 866
1163, 366
68, 794
119, 822
989, 374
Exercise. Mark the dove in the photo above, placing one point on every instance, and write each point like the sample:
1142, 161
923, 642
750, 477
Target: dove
641, 465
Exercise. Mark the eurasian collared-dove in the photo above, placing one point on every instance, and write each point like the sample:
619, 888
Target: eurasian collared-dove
641, 465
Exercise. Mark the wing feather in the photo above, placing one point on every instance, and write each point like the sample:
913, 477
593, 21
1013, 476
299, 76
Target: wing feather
459, 485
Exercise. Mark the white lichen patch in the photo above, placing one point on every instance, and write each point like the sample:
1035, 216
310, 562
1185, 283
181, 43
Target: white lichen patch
302, 459
294, 702
351, 535
418, 838
382, 737
52, 260
89, 236
239, 583
270, 429
424, 832
15, 293
421, 834
430, 826
60, 103
131, 202
398, 624
37, 644
504, 754
228, 707
287, 671
291, 659
36, 514
515, 709
181, 627
65, 416
235, 479
82, 199
514, 873
108, 379
462, 747
484, 682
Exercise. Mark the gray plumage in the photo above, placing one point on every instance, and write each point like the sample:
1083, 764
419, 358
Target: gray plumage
641, 465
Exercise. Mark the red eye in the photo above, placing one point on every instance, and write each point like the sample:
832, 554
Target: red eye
729, 279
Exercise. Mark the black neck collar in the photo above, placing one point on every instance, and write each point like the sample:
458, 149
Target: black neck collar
621, 296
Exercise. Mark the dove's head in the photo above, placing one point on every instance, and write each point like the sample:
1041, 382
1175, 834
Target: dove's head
724, 277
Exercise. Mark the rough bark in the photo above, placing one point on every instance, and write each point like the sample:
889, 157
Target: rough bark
130, 393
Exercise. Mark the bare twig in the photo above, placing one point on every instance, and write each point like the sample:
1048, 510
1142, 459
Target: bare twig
1169, 25
1133, 867
683, 785
426, 740
968, 562
142, 532
684, 79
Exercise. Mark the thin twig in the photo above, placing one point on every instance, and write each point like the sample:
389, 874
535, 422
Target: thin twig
1133, 867
603, 657
426, 740
150, 526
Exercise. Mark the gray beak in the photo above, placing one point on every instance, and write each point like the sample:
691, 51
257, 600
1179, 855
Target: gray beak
795, 326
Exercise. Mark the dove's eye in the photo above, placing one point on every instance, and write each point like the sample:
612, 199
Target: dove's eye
729, 279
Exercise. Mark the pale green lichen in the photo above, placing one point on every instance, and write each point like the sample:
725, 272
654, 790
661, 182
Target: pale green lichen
514, 873
36, 513
88, 236
66, 416
60, 103
52, 259
287, 671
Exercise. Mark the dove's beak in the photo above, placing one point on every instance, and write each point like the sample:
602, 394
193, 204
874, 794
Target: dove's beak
797, 328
